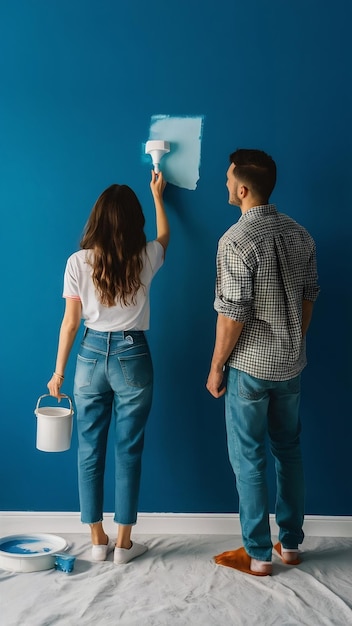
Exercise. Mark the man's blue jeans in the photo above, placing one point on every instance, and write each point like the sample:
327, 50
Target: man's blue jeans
254, 409
113, 383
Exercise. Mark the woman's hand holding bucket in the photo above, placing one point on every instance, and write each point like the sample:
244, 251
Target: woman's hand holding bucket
54, 386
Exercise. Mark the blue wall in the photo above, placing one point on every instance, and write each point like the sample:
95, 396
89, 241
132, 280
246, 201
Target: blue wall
80, 81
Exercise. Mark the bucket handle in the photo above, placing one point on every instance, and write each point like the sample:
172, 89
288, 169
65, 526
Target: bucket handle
45, 395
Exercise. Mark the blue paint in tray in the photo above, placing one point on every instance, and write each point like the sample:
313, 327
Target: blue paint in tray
25, 546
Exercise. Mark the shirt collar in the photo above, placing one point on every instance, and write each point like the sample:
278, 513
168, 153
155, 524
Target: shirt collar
256, 211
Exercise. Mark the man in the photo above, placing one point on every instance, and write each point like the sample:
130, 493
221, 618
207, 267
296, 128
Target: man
265, 289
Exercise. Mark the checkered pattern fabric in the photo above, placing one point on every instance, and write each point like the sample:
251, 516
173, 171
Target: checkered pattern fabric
266, 267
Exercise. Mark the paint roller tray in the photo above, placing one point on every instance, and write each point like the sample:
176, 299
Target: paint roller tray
30, 553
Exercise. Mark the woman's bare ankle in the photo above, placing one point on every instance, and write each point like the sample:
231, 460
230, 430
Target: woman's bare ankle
123, 539
98, 535
126, 545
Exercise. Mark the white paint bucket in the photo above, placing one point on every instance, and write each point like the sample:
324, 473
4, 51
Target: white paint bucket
54, 427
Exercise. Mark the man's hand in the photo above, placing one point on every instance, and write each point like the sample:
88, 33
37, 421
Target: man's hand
227, 334
215, 383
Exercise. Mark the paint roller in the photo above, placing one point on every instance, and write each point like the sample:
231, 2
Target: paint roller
157, 148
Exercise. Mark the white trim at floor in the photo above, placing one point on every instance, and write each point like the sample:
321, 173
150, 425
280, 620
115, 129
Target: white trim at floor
20, 522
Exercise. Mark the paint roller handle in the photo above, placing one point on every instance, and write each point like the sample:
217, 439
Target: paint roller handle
46, 395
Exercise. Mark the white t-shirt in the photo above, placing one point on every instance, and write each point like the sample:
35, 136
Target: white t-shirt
78, 284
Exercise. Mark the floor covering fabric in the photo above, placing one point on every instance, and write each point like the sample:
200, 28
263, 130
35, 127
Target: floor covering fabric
177, 583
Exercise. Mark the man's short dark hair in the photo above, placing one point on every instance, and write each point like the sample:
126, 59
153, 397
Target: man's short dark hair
256, 170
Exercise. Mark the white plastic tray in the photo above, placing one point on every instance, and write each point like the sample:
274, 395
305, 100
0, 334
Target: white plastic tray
30, 553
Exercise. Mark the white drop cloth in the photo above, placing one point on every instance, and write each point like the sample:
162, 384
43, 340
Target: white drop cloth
177, 583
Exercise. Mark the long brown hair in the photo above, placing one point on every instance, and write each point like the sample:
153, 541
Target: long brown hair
115, 233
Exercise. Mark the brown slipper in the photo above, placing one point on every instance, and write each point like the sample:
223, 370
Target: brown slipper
237, 559
278, 550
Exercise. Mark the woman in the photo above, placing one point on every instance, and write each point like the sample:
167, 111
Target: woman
107, 284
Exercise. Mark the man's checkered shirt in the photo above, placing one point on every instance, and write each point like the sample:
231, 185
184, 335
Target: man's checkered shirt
266, 267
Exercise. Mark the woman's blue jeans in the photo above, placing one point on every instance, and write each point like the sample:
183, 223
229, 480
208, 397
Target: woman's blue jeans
113, 383
254, 409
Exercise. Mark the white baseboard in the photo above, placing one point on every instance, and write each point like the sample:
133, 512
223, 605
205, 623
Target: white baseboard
20, 522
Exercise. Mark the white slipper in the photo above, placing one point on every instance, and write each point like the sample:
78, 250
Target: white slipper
124, 555
99, 553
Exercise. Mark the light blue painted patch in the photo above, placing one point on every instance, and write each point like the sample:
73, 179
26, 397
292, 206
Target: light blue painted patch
181, 165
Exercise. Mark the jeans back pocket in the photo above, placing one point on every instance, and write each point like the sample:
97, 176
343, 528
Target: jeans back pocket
137, 369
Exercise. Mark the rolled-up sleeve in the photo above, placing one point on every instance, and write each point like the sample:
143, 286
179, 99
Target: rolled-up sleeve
311, 288
234, 284
71, 289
